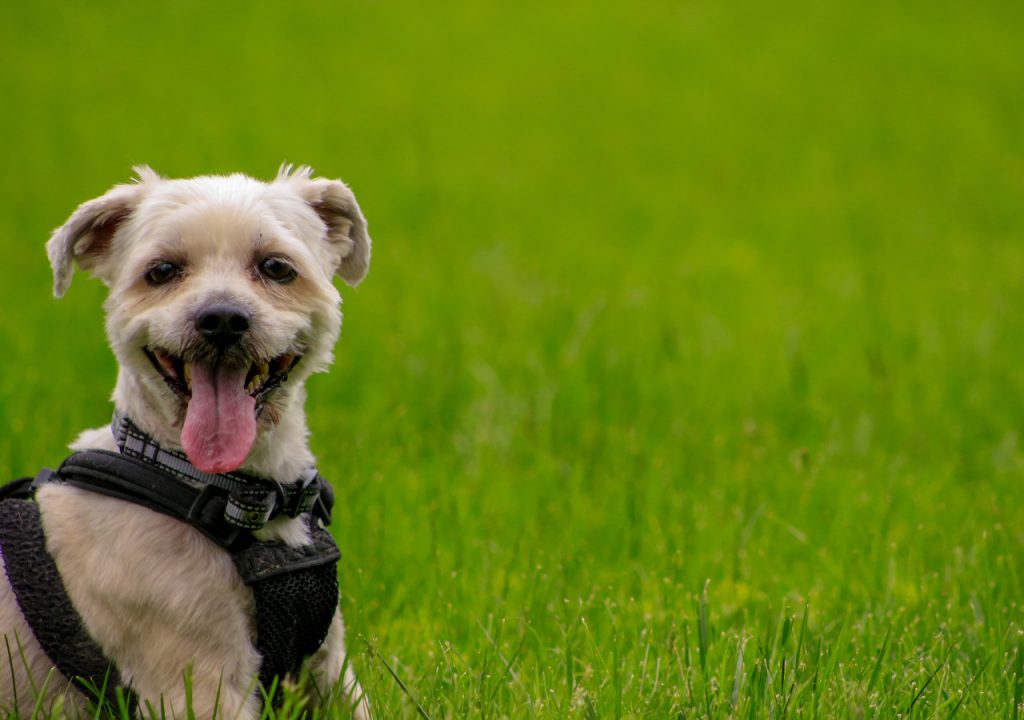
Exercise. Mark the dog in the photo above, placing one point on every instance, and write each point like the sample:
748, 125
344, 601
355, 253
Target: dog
221, 304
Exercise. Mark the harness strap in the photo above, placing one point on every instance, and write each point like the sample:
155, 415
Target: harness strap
207, 507
44, 602
250, 501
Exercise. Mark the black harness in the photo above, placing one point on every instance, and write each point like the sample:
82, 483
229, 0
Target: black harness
295, 588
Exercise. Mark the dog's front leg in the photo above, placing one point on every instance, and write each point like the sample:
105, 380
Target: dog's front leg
333, 675
160, 599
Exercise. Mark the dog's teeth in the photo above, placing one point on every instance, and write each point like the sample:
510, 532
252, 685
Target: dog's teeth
264, 370
188, 374
167, 364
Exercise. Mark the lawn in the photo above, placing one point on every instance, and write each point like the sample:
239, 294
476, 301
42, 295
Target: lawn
686, 381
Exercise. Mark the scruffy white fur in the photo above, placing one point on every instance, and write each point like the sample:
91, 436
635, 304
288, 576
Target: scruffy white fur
156, 594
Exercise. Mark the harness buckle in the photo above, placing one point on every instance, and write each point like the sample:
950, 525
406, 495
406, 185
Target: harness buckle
324, 503
195, 511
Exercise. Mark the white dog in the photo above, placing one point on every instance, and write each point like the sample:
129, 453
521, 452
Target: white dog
221, 304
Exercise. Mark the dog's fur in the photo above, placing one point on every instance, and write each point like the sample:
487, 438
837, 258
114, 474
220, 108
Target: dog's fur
157, 595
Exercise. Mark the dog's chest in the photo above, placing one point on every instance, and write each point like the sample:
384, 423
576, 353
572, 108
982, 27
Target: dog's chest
141, 580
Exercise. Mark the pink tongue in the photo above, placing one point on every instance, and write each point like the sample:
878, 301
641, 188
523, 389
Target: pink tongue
220, 424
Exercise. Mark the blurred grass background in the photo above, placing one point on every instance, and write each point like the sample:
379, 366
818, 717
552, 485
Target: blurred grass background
665, 296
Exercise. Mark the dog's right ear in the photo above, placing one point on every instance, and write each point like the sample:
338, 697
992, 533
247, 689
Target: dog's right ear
345, 226
86, 236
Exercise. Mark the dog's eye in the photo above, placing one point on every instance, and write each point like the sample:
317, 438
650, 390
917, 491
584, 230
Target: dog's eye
162, 273
277, 270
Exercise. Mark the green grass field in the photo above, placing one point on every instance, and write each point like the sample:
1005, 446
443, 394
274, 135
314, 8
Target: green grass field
687, 379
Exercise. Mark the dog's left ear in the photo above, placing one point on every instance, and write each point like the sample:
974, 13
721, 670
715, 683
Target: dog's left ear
346, 227
86, 236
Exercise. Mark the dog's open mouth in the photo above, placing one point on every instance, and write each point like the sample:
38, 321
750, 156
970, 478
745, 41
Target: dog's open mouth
261, 377
223, 401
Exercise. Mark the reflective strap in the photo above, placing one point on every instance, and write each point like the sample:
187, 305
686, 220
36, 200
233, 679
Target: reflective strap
250, 513
252, 501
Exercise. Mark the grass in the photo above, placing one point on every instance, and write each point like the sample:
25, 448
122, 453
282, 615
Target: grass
686, 380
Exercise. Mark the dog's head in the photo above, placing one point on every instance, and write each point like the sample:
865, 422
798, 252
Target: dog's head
221, 298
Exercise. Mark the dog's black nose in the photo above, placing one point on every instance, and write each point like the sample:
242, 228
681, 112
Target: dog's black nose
223, 324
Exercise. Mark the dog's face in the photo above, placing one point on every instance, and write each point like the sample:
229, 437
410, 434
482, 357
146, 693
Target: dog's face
221, 296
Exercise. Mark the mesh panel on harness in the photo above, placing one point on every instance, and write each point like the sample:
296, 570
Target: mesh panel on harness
296, 592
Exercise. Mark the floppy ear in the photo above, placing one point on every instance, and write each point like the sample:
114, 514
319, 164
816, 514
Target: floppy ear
338, 209
86, 236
